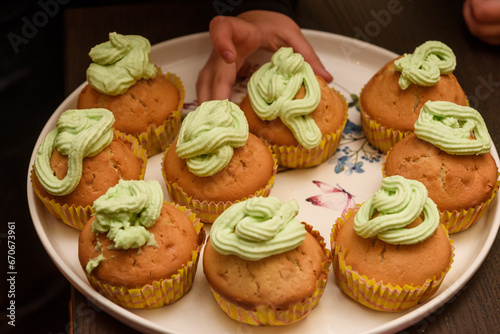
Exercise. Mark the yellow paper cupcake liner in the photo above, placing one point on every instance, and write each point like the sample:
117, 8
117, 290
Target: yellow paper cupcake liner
157, 138
208, 211
300, 157
77, 216
461, 220
158, 293
381, 137
458, 221
266, 315
377, 295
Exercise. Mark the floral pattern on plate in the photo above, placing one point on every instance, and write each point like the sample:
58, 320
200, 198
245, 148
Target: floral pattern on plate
354, 149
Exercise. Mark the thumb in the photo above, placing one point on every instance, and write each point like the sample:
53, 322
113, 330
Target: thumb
312, 58
300, 44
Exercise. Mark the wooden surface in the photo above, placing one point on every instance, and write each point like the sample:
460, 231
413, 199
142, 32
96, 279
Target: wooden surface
398, 26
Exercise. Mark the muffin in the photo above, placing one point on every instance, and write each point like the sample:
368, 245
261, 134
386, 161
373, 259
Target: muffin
137, 250
391, 253
294, 111
264, 267
458, 170
391, 101
146, 103
215, 162
80, 160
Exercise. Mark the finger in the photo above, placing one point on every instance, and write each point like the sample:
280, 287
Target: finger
221, 35
280, 30
222, 81
203, 85
204, 80
233, 38
302, 46
485, 11
467, 14
311, 57
215, 80
489, 33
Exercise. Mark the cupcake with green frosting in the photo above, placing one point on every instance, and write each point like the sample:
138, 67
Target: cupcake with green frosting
449, 152
264, 266
138, 250
391, 100
391, 252
146, 103
294, 110
215, 162
80, 159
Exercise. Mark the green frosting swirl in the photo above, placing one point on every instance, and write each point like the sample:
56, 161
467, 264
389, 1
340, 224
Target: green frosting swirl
93, 263
119, 63
209, 134
257, 228
425, 66
79, 133
453, 128
397, 203
127, 210
272, 88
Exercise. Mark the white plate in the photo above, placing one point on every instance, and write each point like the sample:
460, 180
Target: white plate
355, 168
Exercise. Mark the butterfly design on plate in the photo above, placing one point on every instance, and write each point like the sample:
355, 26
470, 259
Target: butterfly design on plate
334, 197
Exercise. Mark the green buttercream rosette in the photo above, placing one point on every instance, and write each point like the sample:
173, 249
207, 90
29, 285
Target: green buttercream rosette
126, 211
425, 65
209, 134
257, 228
272, 89
119, 63
453, 128
395, 205
79, 133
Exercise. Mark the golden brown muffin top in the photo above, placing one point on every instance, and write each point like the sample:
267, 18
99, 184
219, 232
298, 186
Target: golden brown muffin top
384, 102
395, 264
329, 116
176, 238
280, 280
146, 103
99, 173
249, 170
454, 182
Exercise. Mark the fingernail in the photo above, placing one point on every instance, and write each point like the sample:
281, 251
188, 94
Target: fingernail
227, 55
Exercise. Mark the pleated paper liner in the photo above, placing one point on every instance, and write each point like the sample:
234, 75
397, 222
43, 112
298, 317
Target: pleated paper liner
300, 157
461, 220
458, 221
208, 211
162, 292
157, 138
377, 295
381, 137
267, 315
77, 216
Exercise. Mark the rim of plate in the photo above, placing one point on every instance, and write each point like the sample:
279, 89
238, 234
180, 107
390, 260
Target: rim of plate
135, 321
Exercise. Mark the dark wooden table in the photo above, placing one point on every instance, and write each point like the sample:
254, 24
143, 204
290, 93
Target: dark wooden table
398, 26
